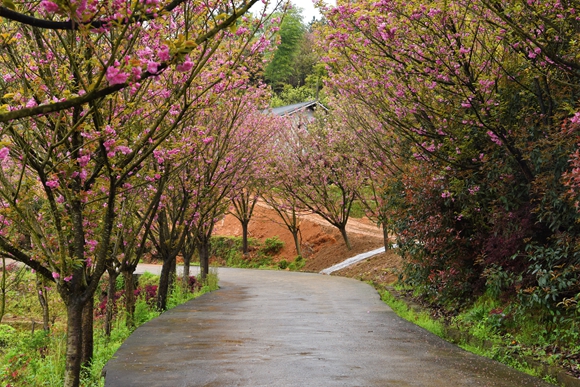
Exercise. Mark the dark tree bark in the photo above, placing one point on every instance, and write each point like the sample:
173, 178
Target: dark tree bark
187, 251
296, 237
244, 205
164, 281
203, 259
245, 249
3, 289
129, 284
73, 343
111, 289
87, 333
385, 237
43, 300
342, 230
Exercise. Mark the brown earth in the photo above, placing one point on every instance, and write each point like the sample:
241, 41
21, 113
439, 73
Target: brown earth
322, 245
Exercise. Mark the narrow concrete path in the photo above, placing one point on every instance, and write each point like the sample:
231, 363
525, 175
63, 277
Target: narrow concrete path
278, 329
353, 260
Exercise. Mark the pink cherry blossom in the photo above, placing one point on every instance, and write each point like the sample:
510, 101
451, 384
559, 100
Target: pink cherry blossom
49, 6
185, 66
52, 184
116, 76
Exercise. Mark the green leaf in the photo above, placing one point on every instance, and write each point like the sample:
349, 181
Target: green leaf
9, 4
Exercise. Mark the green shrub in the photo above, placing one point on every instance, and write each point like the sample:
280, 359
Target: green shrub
120, 283
298, 263
143, 311
222, 246
229, 249
283, 264
272, 246
7, 334
148, 279
39, 359
211, 282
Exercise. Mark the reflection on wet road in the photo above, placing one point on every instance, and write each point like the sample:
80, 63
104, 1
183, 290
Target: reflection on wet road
277, 328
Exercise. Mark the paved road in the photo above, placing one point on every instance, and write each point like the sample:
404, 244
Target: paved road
282, 329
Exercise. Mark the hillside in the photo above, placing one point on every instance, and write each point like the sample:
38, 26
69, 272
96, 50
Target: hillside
322, 245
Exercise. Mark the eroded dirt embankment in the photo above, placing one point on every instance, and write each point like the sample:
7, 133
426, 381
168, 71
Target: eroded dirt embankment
322, 244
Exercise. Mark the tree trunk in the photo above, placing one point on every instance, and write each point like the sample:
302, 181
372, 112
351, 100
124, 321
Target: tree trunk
43, 300
245, 236
172, 275
297, 242
187, 251
163, 288
74, 335
87, 333
203, 260
385, 237
111, 290
129, 298
345, 237
185, 277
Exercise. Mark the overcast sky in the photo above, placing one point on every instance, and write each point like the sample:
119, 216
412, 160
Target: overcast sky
308, 10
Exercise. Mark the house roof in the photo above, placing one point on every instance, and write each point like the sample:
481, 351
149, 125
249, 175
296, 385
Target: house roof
295, 108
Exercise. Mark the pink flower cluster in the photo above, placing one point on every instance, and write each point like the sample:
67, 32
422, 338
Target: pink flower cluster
115, 76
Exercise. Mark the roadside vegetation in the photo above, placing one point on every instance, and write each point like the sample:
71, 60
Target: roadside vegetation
500, 331
32, 356
228, 251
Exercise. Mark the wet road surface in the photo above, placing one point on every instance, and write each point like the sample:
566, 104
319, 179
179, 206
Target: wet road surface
282, 329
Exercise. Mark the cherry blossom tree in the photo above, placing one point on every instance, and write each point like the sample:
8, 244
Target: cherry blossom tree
103, 87
318, 165
471, 97
230, 137
289, 210
243, 204
109, 47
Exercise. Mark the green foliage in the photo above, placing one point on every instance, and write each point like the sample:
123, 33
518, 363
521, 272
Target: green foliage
272, 246
484, 319
179, 296
298, 263
423, 319
283, 264
515, 329
147, 278
6, 335
39, 359
223, 246
357, 210
290, 95
120, 283
553, 276
144, 311
281, 66
260, 256
211, 282
500, 354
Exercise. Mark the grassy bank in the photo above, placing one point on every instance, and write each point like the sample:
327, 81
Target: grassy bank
34, 357
521, 342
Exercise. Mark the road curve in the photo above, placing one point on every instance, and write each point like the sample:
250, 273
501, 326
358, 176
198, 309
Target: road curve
282, 329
